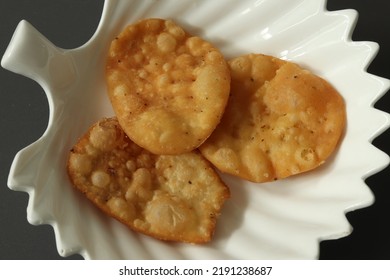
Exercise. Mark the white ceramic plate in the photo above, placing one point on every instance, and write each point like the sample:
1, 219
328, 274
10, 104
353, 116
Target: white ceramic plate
281, 220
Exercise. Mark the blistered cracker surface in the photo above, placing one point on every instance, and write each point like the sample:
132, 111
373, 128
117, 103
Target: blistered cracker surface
168, 89
281, 120
175, 198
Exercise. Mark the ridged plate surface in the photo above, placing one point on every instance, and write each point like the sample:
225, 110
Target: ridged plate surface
280, 220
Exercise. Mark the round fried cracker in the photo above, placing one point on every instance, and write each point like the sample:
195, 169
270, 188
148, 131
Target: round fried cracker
169, 197
281, 120
168, 89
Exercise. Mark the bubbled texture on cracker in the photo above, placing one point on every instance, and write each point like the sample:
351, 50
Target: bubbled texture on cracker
168, 89
281, 120
169, 197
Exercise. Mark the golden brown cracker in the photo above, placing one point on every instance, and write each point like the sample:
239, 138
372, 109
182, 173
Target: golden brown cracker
169, 197
168, 89
281, 120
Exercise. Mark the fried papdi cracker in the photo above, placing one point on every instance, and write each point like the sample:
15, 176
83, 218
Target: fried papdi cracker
169, 197
168, 89
281, 120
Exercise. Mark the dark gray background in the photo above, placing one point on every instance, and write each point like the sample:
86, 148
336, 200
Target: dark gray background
24, 115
